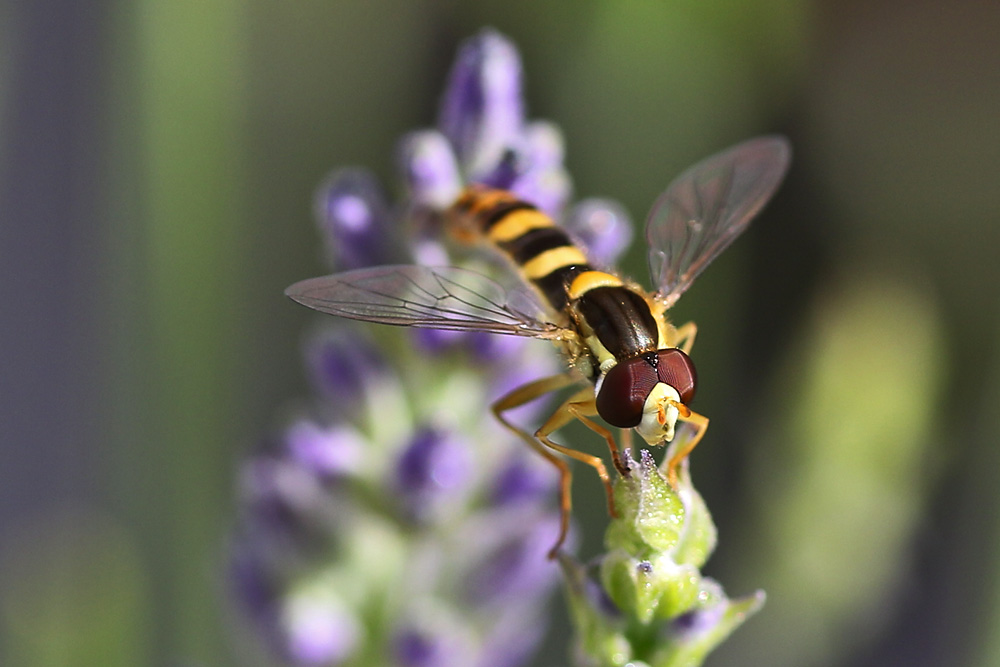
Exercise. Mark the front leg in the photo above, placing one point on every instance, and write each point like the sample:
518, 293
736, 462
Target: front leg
700, 423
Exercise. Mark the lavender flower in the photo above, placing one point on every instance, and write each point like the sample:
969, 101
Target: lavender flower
320, 629
522, 479
433, 470
331, 451
393, 521
353, 217
603, 227
338, 519
482, 111
430, 169
484, 137
344, 368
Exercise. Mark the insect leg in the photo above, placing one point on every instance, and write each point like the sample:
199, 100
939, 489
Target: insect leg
515, 399
588, 408
576, 407
700, 422
685, 334
626, 445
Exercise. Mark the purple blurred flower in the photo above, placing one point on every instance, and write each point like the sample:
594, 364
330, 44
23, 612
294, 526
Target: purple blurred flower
523, 480
287, 509
420, 644
319, 629
482, 112
531, 363
415, 649
542, 179
516, 633
495, 348
254, 585
603, 227
329, 451
434, 467
342, 366
484, 137
430, 169
517, 569
354, 220
437, 341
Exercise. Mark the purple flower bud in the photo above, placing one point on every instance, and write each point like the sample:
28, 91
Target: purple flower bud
342, 366
437, 341
603, 226
505, 172
254, 584
523, 480
415, 649
258, 588
434, 467
532, 169
543, 180
532, 363
697, 621
428, 250
430, 169
286, 506
711, 620
496, 348
518, 569
544, 145
514, 635
548, 189
329, 451
482, 111
354, 219
420, 645
318, 629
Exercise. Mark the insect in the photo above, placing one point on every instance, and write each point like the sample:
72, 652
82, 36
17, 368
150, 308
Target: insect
632, 366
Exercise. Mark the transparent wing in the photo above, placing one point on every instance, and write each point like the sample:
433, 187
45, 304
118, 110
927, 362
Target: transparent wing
428, 297
707, 207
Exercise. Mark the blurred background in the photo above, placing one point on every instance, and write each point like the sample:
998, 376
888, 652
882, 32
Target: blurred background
157, 164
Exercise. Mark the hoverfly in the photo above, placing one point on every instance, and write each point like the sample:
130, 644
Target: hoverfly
632, 363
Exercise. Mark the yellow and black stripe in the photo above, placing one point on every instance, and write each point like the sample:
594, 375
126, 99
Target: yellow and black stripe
619, 317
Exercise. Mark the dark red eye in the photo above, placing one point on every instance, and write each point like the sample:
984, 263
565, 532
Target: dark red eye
624, 390
627, 385
676, 369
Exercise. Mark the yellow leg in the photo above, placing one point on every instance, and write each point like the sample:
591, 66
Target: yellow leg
580, 406
701, 424
626, 445
517, 398
582, 412
685, 334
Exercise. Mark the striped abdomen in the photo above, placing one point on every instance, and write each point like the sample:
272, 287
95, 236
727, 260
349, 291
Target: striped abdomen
601, 306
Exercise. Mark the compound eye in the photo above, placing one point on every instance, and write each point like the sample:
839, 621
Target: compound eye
624, 390
677, 370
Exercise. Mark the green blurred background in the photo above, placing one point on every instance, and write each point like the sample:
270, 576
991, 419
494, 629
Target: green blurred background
157, 161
